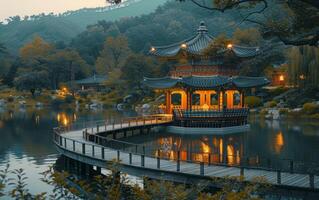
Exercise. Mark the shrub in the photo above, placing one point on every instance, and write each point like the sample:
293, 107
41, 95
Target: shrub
310, 108
271, 104
10, 99
253, 101
83, 94
69, 99
283, 111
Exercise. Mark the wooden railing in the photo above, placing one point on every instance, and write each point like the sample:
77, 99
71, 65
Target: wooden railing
100, 152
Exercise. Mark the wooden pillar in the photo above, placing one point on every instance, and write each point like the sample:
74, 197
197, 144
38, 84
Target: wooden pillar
221, 100
242, 100
168, 102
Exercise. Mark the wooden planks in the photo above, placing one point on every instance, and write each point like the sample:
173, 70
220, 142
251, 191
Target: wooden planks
186, 168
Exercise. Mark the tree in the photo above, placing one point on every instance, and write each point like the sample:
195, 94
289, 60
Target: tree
113, 55
293, 22
33, 52
303, 65
247, 37
136, 68
32, 81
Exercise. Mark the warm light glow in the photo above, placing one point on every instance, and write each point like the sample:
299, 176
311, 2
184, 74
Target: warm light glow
229, 46
184, 46
205, 107
153, 49
221, 150
279, 142
302, 77
65, 122
230, 154
281, 78
205, 148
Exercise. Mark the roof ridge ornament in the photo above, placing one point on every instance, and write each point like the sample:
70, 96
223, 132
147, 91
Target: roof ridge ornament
202, 27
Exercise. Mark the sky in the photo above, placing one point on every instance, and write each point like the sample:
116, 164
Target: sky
30, 7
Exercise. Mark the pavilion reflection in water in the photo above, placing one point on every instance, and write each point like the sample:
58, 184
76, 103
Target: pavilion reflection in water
214, 149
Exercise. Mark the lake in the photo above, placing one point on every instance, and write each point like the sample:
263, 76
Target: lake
26, 142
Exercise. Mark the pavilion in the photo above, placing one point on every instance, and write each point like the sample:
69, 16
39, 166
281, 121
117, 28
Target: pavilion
205, 92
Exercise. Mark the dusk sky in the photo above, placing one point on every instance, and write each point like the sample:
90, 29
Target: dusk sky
30, 7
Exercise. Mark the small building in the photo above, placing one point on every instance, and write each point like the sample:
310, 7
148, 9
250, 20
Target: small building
206, 94
94, 82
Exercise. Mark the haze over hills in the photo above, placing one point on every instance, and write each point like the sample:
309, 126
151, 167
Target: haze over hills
65, 26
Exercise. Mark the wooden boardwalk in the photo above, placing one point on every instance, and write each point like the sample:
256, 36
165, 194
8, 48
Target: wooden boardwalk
73, 144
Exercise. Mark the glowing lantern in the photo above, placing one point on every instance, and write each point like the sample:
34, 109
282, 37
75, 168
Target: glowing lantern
229, 46
184, 46
153, 49
302, 77
281, 78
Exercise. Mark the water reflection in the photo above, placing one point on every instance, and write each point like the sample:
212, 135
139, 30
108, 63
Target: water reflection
26, 139
268, 144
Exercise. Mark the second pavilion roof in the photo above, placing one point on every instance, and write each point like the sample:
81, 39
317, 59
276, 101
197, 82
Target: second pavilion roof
196, 44
206, 82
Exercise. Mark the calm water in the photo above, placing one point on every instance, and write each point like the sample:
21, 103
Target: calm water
26, 142
268, 144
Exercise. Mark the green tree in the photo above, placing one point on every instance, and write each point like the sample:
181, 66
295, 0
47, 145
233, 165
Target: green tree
303, 65
292, 22
113, 55
250, 37
32, 81
35, 50
137, 67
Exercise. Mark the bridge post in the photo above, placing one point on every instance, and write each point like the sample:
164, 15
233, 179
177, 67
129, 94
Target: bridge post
92, 130
103, 153
130, 158
312, 181
113, 126
278, 177
158, 159
242, 172
98, 170
83, 148
73, 145
178, 162
291, 166
209, 158
118, 156
142, 160
268, 163
65, 142
202, 173
97, 128
93, 151
60, 140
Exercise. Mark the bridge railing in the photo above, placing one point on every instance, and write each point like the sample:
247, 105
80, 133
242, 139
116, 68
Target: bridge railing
139, 159
253, 162
113, 124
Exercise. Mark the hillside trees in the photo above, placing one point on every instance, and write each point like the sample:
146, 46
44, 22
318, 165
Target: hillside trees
61, 65
293, 22
32, 81
113, 55
303, 65
137, 67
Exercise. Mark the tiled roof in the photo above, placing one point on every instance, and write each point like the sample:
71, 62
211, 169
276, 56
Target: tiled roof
207, 82
197, 44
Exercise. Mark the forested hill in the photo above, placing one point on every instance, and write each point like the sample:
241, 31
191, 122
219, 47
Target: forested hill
65, 26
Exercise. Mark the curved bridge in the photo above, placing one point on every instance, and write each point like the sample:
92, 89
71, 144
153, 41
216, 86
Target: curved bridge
76, 144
